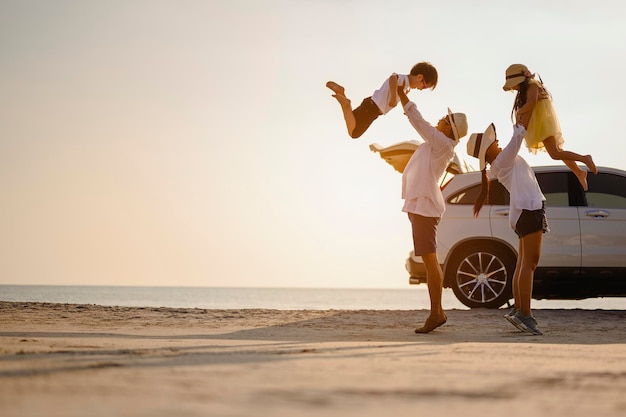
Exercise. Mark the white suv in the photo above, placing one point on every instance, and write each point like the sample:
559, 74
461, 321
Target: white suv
583, 255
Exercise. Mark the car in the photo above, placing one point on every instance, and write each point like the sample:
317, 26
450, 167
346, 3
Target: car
583, 255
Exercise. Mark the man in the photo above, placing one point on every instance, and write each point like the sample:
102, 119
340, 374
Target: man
422, 196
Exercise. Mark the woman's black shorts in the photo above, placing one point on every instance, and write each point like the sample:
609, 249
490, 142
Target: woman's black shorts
531, 221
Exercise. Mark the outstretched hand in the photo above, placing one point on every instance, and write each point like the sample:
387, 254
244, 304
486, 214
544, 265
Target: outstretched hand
519, 130
403, 97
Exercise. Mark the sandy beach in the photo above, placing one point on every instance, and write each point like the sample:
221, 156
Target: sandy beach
87, 360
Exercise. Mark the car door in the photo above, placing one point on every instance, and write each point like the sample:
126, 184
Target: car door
561, 247
498, 201
603, 221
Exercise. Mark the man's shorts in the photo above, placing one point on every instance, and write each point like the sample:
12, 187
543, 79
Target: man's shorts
424, 233
531, 221
364, 115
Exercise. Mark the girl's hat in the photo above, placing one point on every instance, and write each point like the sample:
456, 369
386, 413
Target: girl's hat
515, 74
458, 122
478, 144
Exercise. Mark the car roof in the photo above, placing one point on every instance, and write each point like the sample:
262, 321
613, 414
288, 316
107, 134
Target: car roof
469, 177
560, 168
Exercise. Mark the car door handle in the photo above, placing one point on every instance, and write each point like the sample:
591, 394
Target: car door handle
597, 213
502, 212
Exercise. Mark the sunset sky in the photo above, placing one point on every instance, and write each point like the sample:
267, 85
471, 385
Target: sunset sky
194, 143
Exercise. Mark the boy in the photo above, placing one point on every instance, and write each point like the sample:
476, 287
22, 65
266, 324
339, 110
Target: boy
423, 75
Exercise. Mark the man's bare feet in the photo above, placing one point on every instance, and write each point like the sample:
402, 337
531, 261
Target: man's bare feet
581, 174
588, 160
339, 90
431, 323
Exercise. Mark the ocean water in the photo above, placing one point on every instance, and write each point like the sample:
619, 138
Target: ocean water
412, 298
224, 298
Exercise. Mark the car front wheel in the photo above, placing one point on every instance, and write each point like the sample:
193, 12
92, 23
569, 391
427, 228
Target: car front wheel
481, 275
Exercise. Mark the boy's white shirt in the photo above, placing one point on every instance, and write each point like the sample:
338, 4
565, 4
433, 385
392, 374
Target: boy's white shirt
420, 187
381, 96
518, 178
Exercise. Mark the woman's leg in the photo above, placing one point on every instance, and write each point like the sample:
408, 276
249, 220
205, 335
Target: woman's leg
518, 267
529, 254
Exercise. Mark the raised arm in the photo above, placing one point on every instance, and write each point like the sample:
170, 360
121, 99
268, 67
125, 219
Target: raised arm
403, 97
510, 151
393, 85
428, 132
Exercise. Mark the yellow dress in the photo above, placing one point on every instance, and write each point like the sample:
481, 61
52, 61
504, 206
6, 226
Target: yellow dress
543, 123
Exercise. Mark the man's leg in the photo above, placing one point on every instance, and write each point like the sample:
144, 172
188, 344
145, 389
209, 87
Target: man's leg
434, 278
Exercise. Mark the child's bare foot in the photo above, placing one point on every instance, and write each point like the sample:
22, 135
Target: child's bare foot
339, 90
343, 100
581, 174
588, 160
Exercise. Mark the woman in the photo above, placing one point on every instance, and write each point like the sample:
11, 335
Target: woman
526, 212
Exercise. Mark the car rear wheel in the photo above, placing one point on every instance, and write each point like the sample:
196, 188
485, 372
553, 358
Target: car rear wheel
481, 275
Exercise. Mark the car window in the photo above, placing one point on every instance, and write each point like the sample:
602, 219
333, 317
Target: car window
498, 195
554, 186
606, 190
466, 196
561, 189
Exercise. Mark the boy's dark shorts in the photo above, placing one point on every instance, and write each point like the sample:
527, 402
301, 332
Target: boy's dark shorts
424, 233
364, 115
531, 221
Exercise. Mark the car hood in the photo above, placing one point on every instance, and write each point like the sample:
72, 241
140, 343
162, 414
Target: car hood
398, 156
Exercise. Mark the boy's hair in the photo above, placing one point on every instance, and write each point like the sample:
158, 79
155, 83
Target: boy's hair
428, 71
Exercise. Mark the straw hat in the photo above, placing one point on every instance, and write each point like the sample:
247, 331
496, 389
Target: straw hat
478, 143
458, 122
515, 74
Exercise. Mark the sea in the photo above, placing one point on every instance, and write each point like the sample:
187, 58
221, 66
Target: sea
412, 298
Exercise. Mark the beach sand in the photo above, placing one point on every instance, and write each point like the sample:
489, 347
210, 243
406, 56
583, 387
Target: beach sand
86, 360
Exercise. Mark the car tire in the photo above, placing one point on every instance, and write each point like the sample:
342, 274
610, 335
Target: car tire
481, 275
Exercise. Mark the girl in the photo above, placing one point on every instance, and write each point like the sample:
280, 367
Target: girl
543, 131
526, 212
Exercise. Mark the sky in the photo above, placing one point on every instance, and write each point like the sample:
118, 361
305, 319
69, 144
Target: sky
194, 143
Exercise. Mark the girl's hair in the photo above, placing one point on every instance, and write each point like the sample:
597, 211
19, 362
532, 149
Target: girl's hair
520, 98
522, 94
484, 193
